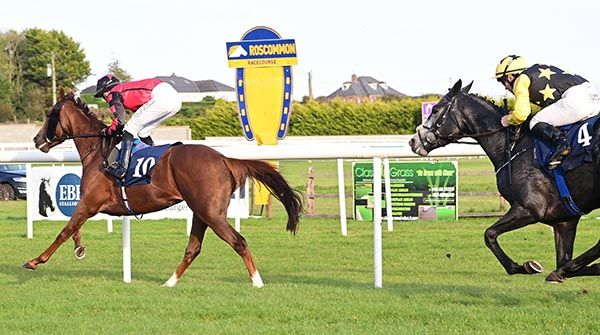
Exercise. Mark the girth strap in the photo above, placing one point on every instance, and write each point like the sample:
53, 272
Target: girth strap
565, 195
126, 203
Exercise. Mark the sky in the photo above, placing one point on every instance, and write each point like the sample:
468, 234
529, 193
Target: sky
416, 47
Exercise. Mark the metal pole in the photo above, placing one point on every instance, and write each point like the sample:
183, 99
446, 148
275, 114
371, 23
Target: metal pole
188, 225
238, 203
30, 203
52, 57
377, 243
342, 196
126, 250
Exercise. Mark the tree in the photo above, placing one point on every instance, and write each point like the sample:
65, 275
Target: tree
34, 104
6, 93
115, 68
10, 71
7, 109
35, 54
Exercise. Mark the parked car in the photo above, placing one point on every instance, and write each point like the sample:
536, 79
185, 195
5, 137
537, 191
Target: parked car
12, 182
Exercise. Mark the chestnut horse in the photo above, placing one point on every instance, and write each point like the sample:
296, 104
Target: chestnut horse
201, 176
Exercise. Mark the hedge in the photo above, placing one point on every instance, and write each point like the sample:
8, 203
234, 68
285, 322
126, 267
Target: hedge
337, 117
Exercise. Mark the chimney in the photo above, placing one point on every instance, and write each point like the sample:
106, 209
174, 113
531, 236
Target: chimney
354, 78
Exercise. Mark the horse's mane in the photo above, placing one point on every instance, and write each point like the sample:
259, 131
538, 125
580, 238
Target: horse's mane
82, 106
488, 103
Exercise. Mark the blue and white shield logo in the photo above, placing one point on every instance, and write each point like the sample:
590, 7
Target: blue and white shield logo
68, 193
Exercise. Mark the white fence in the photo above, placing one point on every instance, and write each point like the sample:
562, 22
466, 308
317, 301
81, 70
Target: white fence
310, 148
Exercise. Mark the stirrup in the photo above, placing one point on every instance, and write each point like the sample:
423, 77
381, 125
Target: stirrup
117, 171
565, 151
554, 164
112, 165
556, 160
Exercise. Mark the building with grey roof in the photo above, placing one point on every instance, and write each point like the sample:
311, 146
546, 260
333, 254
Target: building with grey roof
216, 89
364, 88
187, 89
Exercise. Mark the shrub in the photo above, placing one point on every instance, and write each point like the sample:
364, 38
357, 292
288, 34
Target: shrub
337, 117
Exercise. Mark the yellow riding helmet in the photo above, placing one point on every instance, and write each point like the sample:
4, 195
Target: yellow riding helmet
510, 65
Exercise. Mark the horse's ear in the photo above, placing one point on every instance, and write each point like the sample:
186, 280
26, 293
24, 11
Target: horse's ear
456, 88
467, 88
61, 94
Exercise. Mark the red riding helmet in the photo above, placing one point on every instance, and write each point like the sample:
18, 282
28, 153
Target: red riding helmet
105, 84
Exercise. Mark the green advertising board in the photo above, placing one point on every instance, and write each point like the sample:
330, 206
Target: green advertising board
420, 190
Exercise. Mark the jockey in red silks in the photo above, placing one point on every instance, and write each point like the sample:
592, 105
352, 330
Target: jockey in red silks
152, 101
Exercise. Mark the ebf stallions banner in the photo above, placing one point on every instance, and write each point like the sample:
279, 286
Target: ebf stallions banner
263, 83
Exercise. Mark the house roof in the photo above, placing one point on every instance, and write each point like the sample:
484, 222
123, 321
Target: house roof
89, 90
212, 86
365, 86
180, 84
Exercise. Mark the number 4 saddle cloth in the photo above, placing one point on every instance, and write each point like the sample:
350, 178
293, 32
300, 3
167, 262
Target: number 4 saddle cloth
583, 140
143, 160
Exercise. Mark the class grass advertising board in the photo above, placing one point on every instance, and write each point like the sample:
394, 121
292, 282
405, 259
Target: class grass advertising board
420, 190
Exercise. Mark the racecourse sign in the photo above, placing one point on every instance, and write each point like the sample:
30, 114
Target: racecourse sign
261, 53
263, 83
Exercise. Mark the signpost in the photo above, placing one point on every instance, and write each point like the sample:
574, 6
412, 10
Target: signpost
419, 191
263, 83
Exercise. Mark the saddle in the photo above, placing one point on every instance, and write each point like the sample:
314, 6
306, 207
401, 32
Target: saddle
142, 162
582, 139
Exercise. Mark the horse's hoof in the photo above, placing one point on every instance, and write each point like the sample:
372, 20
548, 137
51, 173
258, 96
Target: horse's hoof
29, 266
554, 278
79, 252
533, 267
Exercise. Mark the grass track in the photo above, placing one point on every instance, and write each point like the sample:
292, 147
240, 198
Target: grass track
317, 282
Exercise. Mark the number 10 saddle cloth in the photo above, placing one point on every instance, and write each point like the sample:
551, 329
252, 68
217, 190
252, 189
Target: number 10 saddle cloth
143, 160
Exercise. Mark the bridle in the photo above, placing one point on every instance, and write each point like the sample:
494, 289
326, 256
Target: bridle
54, 120
436, 137
455, 137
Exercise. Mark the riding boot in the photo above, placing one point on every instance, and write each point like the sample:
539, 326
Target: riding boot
120, 169
148, 140
549, 133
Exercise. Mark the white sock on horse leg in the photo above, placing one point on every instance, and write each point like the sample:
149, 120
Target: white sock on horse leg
257, 280
172, 281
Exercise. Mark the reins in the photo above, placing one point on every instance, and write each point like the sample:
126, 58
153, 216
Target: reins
106, 145
456, 137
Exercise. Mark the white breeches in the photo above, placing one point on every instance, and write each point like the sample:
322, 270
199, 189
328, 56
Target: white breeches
577, 103
165, 103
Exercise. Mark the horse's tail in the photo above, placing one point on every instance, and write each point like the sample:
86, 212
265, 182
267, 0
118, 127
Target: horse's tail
276, 184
